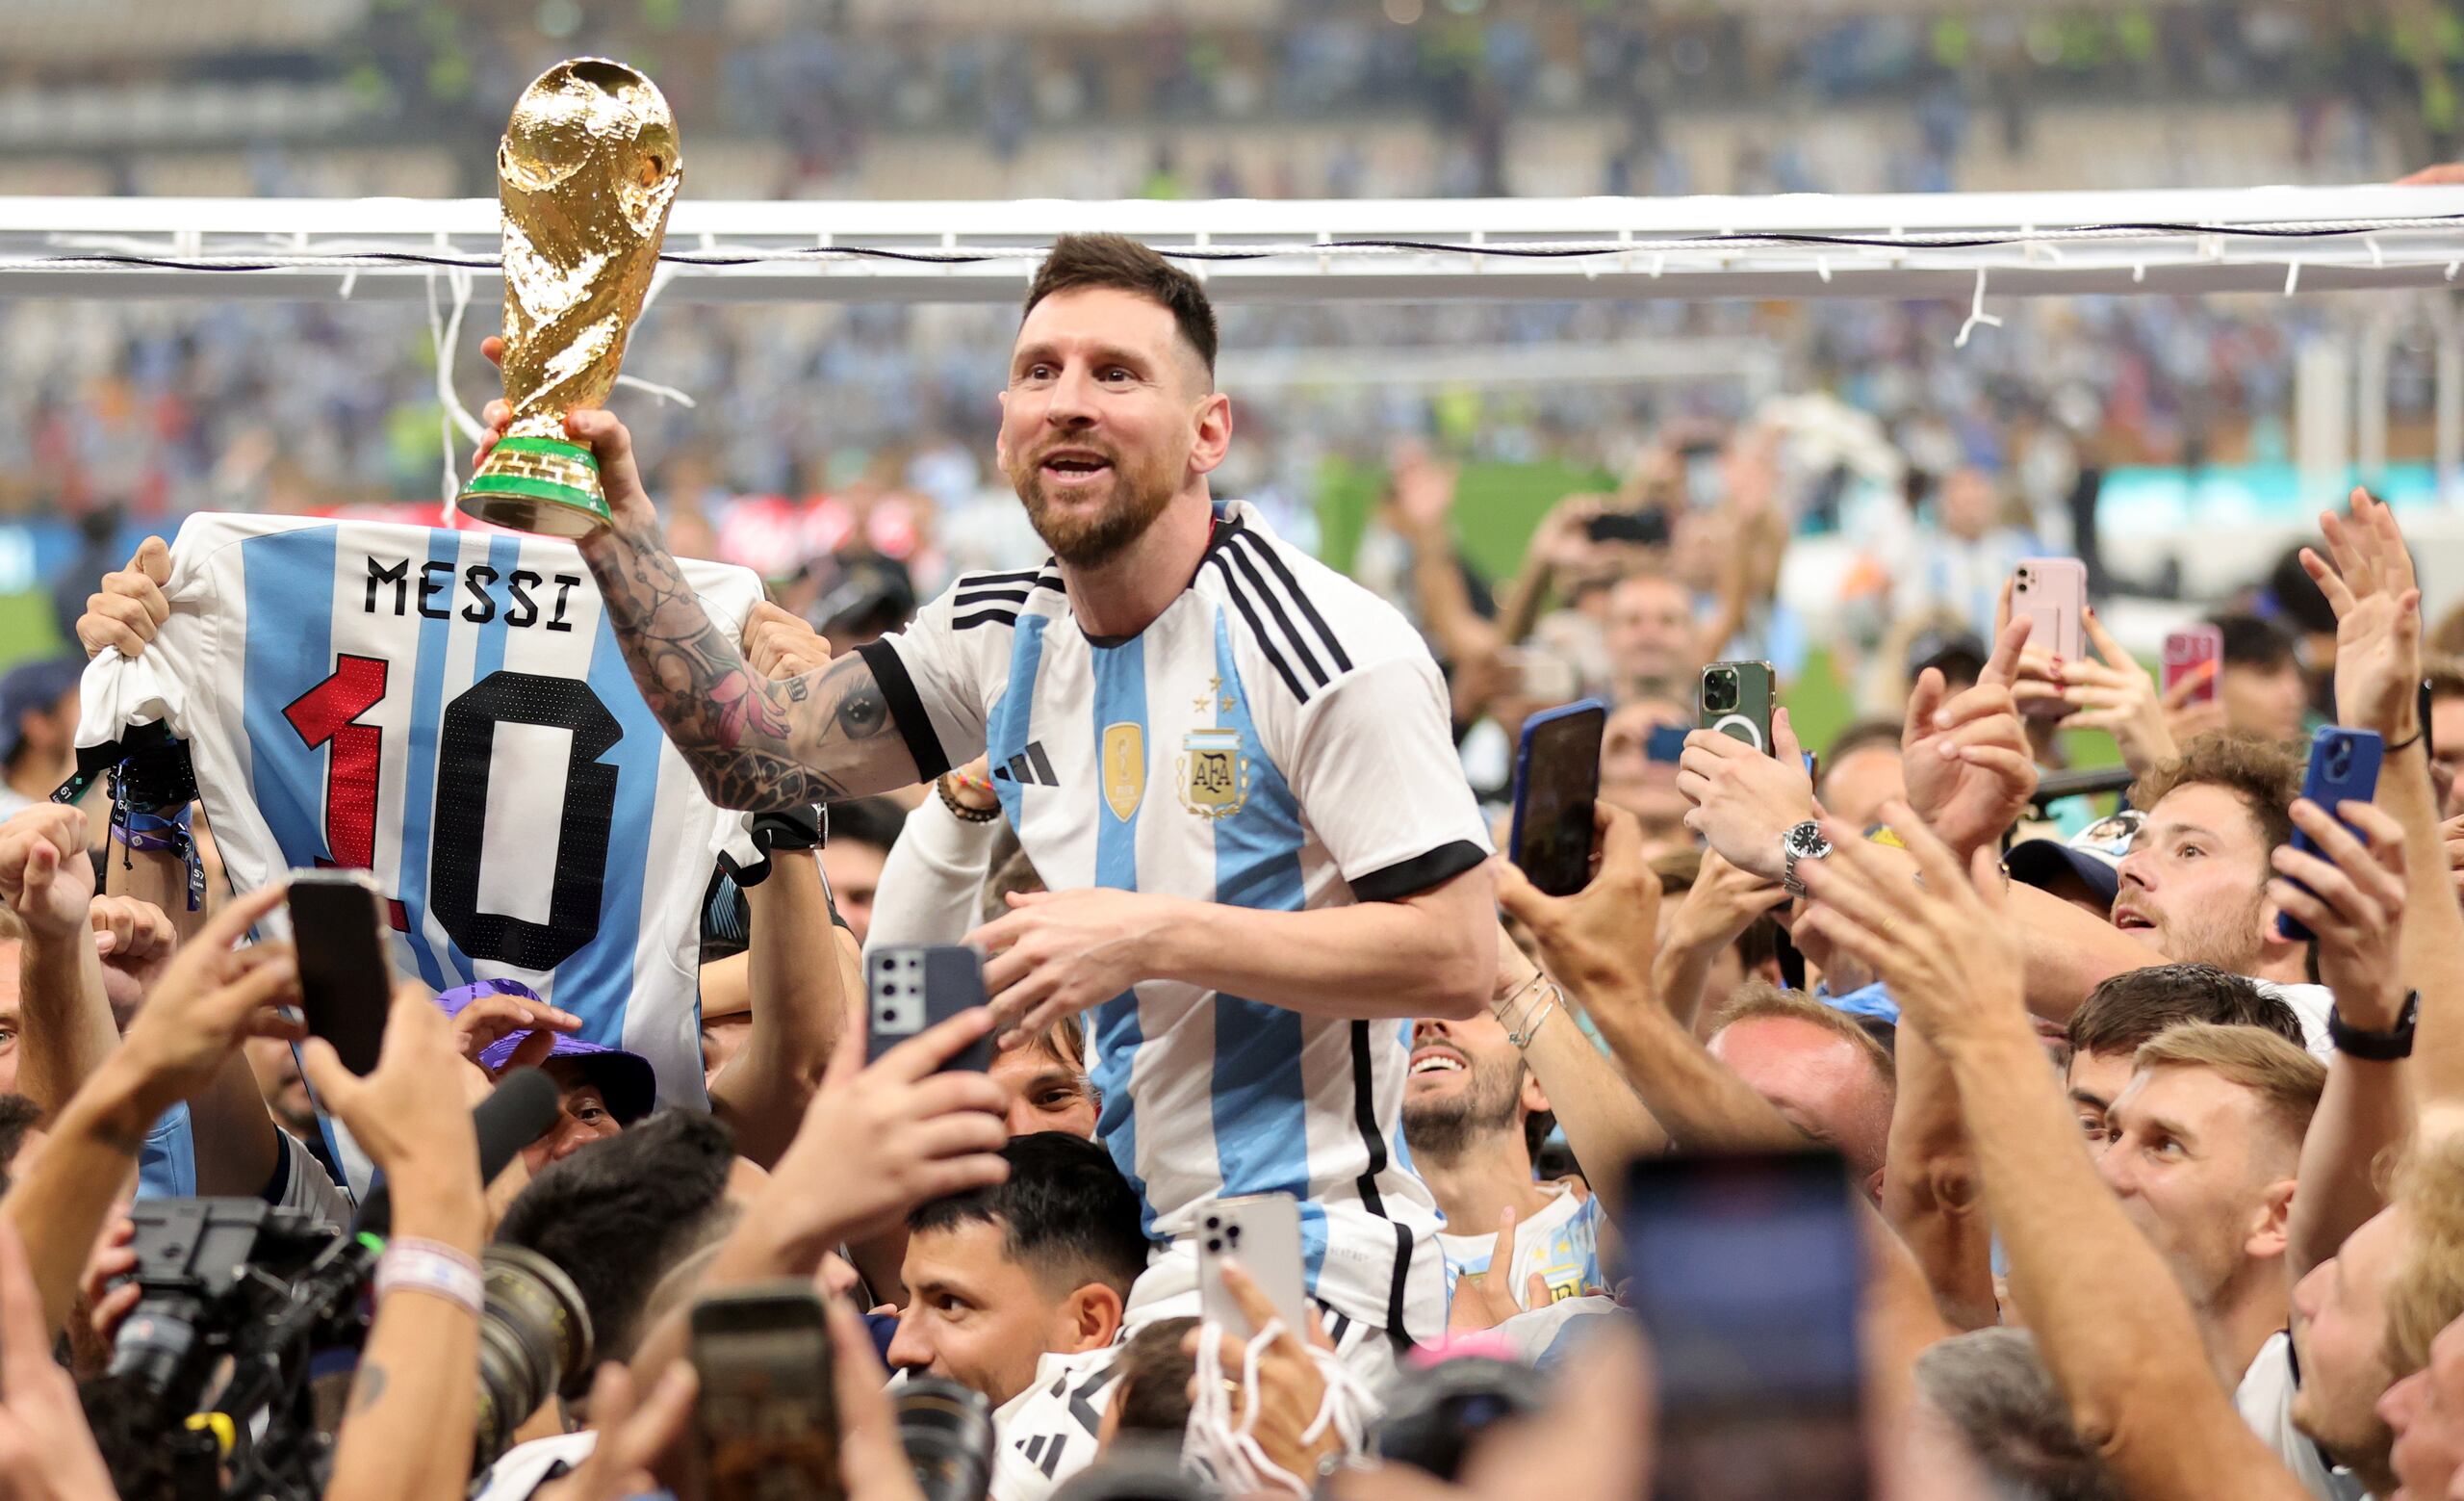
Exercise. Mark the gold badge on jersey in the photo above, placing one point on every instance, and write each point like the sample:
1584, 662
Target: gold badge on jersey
1124, 768
1215, 776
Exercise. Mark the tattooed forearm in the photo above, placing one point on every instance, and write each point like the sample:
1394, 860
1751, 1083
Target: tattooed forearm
753, 742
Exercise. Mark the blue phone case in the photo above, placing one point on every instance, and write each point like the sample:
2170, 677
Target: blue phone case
2343, 767
1553, 873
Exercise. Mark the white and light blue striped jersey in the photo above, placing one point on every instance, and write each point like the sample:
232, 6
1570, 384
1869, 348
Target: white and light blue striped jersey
1276, 740
1560, 1244
452, 712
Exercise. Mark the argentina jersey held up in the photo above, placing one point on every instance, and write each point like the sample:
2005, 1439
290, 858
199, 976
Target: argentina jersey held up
1277, 740
449, 712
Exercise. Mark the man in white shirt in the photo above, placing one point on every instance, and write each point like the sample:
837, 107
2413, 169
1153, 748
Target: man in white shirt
1473, 1116
1231, 764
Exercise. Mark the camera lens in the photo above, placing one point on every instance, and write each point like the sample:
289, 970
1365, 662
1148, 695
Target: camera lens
534, 1341
2339, 759
155, 1341
1719, 692
1434, 1417
946, 1430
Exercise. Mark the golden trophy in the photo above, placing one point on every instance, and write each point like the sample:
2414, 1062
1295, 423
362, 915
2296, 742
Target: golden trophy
587, 171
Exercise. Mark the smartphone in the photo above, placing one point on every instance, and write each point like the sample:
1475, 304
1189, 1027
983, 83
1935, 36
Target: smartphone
764, 1422
2187, 651
2053, 593
1746, 1272
1650, 527
346, 980
914, 987
1666, 743
1263, 1232
1738, 698
1556, 782
2343, 767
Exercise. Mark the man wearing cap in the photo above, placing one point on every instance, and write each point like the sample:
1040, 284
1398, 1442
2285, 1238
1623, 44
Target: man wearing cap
38, 731
503, 1026
2085, 870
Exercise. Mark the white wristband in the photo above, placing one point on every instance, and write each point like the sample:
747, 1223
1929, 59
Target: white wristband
437, 1270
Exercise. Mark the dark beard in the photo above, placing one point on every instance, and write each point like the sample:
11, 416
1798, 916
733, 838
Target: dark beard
1137, 500
1445, 1130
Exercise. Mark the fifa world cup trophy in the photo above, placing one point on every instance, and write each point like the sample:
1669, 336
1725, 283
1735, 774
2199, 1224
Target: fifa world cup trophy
587, 171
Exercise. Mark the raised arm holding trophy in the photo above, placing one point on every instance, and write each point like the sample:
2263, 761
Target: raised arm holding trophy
587, 171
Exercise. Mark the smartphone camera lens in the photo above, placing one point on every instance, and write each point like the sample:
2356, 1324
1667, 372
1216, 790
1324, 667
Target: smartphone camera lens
1234, 1237
1215, 1222
1215, 1244
2339, 759
1719, 692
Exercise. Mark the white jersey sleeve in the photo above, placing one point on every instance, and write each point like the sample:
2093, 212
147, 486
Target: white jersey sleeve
1374, 765
942, 674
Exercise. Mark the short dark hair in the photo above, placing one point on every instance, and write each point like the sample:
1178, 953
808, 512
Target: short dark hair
2254, 641
617, 1214
2265, 776
2131, 1008
1121, 263
867, 820
1152, 1374
18, 1115
1064, 1209
1858, 737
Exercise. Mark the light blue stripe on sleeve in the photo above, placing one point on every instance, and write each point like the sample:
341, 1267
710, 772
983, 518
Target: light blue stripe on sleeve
597, 983
1261, 1099
504, 556
289, 582
1115, 1033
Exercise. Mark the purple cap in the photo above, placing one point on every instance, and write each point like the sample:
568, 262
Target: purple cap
625, 1080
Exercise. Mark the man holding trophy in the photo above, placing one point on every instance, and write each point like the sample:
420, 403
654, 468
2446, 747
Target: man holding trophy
1250, 914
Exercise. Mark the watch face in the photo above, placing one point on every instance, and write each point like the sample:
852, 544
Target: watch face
1806, 839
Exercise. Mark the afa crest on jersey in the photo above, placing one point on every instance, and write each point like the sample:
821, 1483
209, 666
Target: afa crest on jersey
1214, 774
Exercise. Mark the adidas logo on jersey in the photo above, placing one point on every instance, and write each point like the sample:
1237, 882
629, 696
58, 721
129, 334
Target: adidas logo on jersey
1030, 767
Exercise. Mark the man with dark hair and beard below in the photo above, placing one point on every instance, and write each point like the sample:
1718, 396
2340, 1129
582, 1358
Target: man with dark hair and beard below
1231, 764
1474, 1117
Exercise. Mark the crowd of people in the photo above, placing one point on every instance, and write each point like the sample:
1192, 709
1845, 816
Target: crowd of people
2138, 1123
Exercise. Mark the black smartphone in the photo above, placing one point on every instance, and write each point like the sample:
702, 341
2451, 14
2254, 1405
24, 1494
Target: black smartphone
346, 980
764, 1421
1746, 1271
1556, 782
910, 988
1650, 527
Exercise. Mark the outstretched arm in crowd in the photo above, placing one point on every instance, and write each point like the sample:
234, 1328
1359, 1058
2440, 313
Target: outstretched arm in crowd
798, 1010
2114, 1326
1597, 943
753, 742
1714, 913
211, 998
1931, 1195
65, 1023
233, 1131
1606, 1123
2371, 587
2355, 904
877, 1141
408, 1432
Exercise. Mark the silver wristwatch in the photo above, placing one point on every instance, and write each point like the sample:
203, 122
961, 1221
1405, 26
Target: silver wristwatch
1802, 842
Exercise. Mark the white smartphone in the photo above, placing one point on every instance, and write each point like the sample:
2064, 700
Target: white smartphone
1262, 1231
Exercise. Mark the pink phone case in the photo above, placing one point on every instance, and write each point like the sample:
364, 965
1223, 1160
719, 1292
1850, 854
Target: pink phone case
2052, 592
2185, 652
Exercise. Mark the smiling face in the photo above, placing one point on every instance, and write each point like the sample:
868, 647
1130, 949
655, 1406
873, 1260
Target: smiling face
2203, 1172
1107, 416
2193, 886
1467, 1085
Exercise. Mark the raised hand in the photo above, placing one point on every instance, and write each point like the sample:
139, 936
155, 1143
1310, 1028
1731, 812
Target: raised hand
2115, 694
2354, 902
408, 1114
128, 608
44, 875
1599, 939
880, 1139
2379, 626
489, 1019
778, 644
628, 503
135, 941
1943, 944
210, 999
1743, 799
1966, 761
1054, 954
